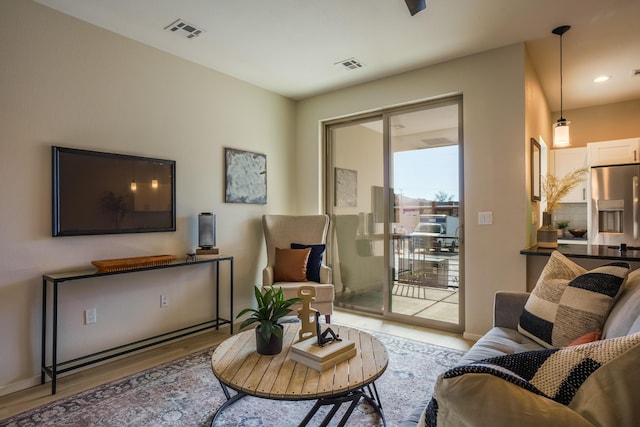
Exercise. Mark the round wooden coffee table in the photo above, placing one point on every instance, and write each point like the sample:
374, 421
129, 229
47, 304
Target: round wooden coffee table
239, 367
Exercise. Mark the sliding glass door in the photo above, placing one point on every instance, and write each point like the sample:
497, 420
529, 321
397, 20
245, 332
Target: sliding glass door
425, 157
395, 198
358, 234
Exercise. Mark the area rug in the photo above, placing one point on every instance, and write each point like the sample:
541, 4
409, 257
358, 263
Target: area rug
185, 393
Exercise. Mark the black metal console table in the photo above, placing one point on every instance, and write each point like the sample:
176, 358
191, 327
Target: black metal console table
55, 279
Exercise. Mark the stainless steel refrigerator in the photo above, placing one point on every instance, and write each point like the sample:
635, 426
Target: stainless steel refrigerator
613, 208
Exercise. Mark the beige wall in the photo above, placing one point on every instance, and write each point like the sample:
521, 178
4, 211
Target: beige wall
492, 85
66, 82
603, 123
538, 126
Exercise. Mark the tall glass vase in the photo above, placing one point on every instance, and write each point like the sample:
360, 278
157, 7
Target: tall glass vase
547, 235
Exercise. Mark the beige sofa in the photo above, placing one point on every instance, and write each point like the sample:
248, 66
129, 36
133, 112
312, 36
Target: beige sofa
478, 392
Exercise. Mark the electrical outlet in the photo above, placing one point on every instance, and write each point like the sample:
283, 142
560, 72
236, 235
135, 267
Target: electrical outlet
90, 316
164, 301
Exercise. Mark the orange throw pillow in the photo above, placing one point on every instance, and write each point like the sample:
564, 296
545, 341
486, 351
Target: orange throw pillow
586, 338
291, 265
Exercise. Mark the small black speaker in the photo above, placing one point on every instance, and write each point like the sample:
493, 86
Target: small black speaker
206, 230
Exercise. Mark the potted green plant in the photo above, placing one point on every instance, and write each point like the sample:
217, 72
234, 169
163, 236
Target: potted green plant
562, 225
271, 308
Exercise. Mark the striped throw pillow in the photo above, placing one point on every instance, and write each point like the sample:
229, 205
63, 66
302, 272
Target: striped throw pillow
568, 301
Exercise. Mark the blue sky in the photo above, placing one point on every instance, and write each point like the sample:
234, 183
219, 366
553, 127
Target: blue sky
424, 173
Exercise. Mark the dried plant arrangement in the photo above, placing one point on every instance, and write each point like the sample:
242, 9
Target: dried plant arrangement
555, 188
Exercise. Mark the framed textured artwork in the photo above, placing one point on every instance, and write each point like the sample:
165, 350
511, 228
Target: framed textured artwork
346, 191
245, 177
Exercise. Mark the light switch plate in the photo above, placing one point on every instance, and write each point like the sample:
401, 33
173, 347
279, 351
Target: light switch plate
90, 316
485, 218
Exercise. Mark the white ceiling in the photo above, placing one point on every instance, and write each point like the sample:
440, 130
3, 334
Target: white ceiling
290, 46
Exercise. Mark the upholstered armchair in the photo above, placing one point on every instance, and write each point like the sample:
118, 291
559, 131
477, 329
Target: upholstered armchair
295, 248
360, 269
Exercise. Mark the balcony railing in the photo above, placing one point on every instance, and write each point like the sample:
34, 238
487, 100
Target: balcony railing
430, 261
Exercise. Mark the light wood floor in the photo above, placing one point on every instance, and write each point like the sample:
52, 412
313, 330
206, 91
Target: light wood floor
94, 376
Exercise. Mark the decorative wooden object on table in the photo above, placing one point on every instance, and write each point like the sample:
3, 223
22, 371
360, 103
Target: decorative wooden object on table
307, 315
120, 264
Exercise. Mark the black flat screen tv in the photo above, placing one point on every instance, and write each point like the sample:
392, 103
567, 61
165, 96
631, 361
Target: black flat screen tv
107, 193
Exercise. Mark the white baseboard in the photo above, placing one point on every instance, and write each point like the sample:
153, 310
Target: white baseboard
471, 337
20, 385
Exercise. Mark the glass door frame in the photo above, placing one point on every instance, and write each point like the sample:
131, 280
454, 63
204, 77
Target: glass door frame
329, 193
385, 116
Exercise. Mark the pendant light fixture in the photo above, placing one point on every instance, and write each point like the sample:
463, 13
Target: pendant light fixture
561, 127
134, 186
154, 181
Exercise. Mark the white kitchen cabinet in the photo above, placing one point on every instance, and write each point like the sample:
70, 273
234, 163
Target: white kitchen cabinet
614, 152
567, 160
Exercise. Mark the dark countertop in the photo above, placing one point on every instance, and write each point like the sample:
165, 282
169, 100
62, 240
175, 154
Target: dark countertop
586, 251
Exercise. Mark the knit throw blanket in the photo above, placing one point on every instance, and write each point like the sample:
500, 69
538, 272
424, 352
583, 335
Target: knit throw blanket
555, 373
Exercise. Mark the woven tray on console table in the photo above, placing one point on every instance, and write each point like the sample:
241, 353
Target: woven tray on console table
108, 265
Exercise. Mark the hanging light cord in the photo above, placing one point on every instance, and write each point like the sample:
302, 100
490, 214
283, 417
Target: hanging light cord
559, 32
561, 76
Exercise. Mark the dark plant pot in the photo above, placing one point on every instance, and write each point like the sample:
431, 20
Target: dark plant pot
268, 348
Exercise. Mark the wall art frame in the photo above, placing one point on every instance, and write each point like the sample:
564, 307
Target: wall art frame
245, 177
346, 187
536, 174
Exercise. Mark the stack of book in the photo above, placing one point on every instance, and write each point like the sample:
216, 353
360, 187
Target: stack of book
310, 354
202, 254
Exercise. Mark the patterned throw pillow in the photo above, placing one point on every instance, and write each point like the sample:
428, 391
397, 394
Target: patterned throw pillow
567, 302
557, 374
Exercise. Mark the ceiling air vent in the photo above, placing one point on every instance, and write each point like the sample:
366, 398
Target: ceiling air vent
184, 28
349, 64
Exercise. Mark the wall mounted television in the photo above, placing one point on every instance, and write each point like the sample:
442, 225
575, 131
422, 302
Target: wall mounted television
107, 193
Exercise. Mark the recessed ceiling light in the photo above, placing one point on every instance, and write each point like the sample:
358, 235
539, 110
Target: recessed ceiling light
601, 79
